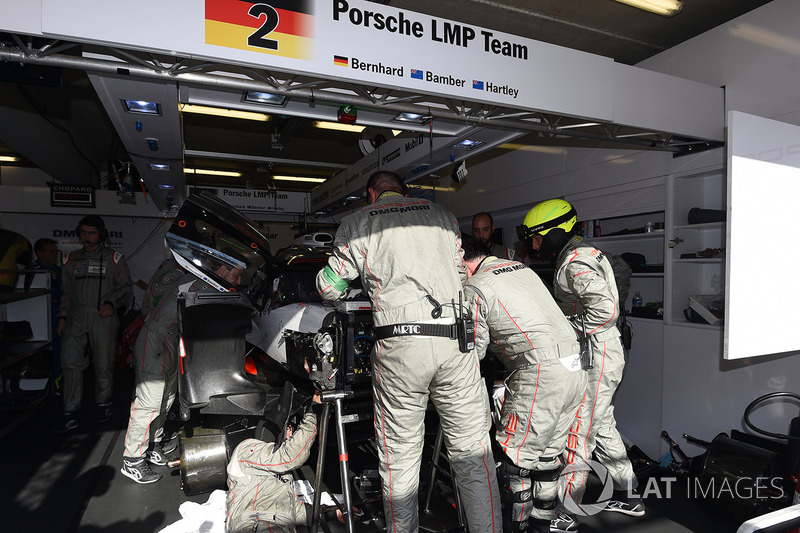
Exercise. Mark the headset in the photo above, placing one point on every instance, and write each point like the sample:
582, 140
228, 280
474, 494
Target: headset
93, 221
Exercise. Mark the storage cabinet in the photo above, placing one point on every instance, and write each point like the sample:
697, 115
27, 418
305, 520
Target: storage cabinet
628, 234
695, 252
32, 306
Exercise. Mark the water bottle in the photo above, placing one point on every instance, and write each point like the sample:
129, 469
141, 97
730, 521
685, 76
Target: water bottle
637, 299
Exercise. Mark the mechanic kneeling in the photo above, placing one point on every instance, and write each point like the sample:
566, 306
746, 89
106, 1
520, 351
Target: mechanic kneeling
261, 494
518, 321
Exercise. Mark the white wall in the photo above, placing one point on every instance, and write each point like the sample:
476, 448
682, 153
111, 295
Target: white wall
756, 57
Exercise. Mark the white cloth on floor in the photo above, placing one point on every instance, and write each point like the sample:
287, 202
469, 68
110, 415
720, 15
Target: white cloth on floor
305, 492
208, 517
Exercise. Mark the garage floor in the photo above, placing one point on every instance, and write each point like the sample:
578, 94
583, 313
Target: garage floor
71, 483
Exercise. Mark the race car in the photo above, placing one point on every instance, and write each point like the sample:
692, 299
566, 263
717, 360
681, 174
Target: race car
257, 350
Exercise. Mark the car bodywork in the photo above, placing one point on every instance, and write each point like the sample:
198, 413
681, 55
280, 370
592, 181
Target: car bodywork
254, 351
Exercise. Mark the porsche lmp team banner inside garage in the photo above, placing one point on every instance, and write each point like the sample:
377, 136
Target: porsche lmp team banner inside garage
356, 41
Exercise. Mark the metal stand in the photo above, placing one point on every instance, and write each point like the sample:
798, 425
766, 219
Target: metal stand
335, 398
436, 467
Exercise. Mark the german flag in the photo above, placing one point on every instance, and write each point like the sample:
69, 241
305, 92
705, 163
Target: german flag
283, 27
340, 61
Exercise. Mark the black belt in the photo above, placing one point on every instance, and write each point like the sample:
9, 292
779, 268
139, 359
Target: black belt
412, 329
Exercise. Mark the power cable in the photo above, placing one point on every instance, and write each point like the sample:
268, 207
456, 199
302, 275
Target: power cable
150, 236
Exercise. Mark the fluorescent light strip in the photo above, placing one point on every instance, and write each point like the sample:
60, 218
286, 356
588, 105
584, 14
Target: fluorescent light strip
338, 127
353, 128
209, 172
299, 178
666, 8
582, 125
220, 112
8, 158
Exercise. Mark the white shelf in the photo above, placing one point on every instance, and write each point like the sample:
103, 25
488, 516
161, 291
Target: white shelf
655, 234
707, 225
643, 319
708, 261
695, 325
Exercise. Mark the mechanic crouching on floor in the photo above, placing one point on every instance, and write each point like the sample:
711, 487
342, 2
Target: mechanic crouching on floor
519, 322
407, 252
261, 495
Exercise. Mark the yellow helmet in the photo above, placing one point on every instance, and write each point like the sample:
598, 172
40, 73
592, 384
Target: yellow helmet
548, 215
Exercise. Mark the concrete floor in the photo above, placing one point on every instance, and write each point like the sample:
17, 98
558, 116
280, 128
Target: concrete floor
71, 483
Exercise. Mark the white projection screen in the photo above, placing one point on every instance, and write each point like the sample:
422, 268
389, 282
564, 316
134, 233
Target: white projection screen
763, 248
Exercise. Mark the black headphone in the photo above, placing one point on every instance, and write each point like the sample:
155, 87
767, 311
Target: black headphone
93, 221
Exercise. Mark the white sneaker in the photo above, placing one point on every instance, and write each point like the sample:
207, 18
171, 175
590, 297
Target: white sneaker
633, 507
563, 523
139, 471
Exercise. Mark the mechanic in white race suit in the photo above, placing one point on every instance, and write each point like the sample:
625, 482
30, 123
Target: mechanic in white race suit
261, 494
407, 252
517, 320
156, 365
584, 284
96, 284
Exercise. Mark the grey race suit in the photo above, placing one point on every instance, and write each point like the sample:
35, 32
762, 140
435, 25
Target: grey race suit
584, 281
404, 250
520, 323
91, 279
156, 356
261, 495
500, 251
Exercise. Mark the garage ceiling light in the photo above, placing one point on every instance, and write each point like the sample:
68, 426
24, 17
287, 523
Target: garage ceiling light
209, 172
324, 125
159, 166
581, 125
416, 118
258, 97
467, 145
338, 126
298, 178
666, 8
8, 158
221, 112
142, 107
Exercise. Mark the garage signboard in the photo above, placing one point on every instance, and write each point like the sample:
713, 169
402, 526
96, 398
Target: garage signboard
356, 41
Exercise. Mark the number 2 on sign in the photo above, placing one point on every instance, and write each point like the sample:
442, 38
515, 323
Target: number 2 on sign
271, 20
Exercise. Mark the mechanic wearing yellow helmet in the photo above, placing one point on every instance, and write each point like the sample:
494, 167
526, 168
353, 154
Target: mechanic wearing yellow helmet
584, 284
